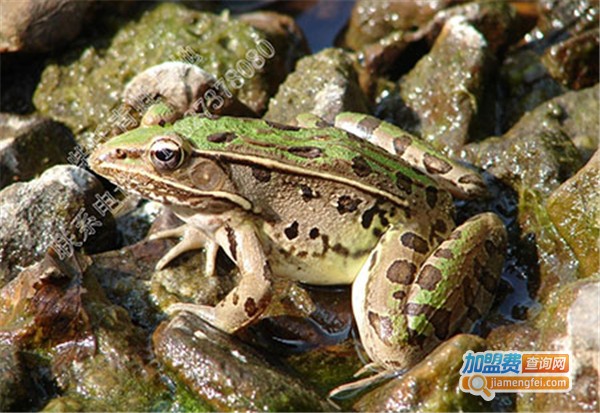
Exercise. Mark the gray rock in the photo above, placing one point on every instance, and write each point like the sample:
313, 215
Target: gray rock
323, 84
30, 145
56, 210
11, 377
442, 92
40, 25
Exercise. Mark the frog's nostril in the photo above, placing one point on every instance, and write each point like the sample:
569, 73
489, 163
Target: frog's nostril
120, 154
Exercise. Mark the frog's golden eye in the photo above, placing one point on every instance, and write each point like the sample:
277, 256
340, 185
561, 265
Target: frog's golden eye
167, 153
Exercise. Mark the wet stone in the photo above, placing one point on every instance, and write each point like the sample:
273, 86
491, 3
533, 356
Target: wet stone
29, 145
431, 385
59, 203
324, 84
442, 92
226, 374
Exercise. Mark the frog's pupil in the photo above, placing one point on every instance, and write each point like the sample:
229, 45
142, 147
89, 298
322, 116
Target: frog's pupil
165, 155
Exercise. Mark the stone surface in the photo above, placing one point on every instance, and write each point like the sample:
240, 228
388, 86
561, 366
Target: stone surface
29, 145
53, 210
323, 84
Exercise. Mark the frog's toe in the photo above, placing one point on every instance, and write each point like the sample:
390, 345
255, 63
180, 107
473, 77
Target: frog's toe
205, 312
192, 239
357, 386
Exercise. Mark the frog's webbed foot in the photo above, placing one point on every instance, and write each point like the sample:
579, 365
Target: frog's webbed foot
192, 238
205, 312
363, 383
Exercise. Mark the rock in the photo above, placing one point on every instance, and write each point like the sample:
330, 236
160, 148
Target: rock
538, 153
568, 323
529, 78
29, 145
574, 210
431, 385
97, 358
40, 25
442, 92
82, 88
184, 88
56, 210
224, 374
323, 84
12, 378
574, 62
372, 20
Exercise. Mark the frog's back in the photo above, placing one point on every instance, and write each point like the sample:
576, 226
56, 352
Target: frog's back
327, 152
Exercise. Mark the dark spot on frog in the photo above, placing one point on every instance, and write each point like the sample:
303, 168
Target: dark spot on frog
444, 253
347, 204
401, 272
302, 254
471, 179
403, 183
399, 295
281, 126
314, 233
435, 165
232, 242
369, 214
250, 307
431, 196
368, 125
377, 232
261, 174
235, 299
309, 152
291, 232
360, 166
414, 242
382, 326
221, 137
440, 226
429, 277
490, 248
340, 249
308, 193
401, 143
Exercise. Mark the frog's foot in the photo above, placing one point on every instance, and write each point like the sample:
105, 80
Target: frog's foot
205, 312
192, 238
363, 383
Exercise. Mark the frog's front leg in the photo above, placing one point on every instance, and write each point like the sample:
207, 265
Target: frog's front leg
250, 297
191, 238
410, 297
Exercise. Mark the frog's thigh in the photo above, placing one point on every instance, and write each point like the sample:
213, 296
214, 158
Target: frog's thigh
412, 302
380, 290
456, 285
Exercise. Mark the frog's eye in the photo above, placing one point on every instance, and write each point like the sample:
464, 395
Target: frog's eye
167, 153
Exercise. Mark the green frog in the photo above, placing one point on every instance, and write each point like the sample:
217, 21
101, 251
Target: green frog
356, 202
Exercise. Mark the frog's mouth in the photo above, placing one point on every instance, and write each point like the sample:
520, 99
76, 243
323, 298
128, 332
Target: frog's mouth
125, 170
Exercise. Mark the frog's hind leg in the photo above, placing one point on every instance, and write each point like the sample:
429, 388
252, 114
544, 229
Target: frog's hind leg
412, 295
459, 180
457, 283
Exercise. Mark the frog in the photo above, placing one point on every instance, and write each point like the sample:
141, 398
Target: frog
354, 201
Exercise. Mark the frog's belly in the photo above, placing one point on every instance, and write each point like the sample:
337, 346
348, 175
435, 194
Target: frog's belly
330, 269
324, 260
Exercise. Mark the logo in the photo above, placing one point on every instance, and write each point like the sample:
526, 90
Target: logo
486, 373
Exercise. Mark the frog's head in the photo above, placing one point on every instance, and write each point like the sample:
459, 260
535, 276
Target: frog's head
159, 164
